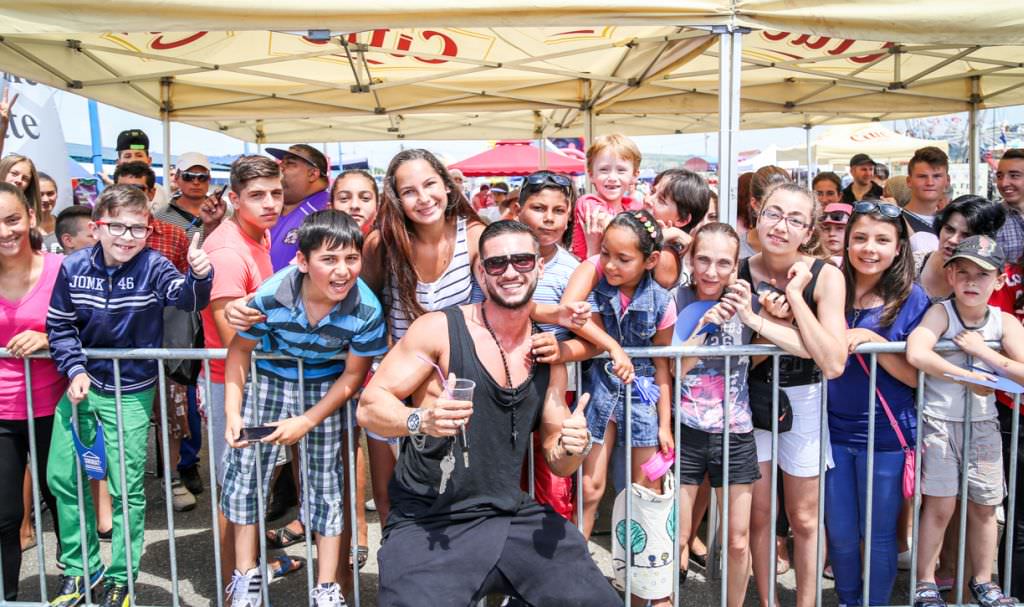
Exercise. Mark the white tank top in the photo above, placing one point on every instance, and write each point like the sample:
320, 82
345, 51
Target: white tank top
944, 398
452, 288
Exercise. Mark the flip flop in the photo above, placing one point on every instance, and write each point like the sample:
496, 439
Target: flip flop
282, 537
281, 565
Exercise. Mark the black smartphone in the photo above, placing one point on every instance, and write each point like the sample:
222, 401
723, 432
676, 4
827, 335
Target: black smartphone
220, 193
256, 433
768, 288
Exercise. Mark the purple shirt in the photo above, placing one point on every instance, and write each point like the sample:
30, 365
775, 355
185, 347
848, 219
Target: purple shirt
284, 239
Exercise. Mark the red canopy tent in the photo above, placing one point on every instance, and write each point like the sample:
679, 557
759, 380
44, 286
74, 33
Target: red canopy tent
516, 157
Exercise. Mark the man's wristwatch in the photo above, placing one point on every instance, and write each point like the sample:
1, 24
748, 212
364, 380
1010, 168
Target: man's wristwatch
413, 423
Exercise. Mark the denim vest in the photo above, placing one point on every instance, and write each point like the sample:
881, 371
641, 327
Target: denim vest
636, 329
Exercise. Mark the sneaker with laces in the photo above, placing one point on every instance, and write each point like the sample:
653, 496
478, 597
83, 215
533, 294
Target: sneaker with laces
326, 595
245, 589
927, 595
990, 594
73, 589
116, 595
181, 498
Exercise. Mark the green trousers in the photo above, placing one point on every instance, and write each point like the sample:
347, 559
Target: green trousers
63, 478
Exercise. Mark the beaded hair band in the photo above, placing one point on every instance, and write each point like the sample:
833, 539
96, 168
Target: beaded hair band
647, 223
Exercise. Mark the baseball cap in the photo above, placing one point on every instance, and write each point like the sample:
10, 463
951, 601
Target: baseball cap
982, 250
132, 139
500, 188
304, 152
859, 159
837, 212
191, 159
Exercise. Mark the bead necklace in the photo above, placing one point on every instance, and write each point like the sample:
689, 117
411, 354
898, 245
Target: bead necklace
504, 364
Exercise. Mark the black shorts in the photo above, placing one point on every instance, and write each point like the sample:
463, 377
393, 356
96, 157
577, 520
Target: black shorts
701, 453
534, 555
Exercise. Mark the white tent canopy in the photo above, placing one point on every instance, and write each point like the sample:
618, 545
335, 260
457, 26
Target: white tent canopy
838, 144
513, 69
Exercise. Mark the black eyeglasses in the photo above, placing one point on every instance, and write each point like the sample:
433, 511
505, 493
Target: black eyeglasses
883, 208
521, 262
189, 177
138, 232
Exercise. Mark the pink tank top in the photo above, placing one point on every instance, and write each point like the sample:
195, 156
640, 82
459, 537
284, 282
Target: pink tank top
29, 313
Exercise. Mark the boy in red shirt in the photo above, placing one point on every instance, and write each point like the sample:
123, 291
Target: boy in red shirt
613, 166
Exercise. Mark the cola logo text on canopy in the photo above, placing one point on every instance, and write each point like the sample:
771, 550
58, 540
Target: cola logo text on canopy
830, 46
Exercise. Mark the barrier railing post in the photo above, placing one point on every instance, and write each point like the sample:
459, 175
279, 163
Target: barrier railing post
579, 471
305, 474
261, 503
1011, 505
824, 450
33, 463
961, 553
677, 424
628, 543
773, 505
215, 466
123, 475
872, 404
915, 518
350, 487
724, 541
83, 535
168, 498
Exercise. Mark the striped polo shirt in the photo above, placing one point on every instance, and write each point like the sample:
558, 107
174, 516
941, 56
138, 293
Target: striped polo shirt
552, 284
356, 325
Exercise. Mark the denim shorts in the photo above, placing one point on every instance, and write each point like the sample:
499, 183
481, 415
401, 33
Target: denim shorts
608, 403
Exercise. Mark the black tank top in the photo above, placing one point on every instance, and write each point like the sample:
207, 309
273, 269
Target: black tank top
793, 370
498, 434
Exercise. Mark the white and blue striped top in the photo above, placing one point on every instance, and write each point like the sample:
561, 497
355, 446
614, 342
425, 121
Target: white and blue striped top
454, 287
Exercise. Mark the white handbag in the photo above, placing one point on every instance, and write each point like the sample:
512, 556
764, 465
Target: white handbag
651, 550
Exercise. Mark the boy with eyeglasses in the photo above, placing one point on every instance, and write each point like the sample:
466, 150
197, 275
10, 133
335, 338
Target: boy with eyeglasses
111, 296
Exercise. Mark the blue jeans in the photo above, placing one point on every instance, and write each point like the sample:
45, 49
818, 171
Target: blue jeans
846, 488
191, 446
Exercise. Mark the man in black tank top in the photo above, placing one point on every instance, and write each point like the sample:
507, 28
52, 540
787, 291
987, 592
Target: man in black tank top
460, 527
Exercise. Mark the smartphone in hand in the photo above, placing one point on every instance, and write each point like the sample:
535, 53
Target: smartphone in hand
766, 288
254, 434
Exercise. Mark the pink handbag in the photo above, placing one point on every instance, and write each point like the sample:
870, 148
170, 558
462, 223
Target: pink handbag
909, 456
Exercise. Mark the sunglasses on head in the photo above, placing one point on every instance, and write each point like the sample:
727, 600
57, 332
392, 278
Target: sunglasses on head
835, 216
543, 178
882, 208
521, 262
189, 177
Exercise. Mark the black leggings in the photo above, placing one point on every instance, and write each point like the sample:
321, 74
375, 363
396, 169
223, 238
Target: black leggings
14, 452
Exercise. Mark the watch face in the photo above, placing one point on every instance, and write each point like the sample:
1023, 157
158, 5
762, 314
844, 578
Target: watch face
412, 423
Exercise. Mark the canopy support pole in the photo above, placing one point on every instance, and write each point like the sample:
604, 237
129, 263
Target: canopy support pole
730, 49
972, 135
538, 132
588, 122
810, 156
165, 116
95, 138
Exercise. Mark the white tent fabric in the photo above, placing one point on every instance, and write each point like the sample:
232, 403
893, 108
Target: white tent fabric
513, 69
838, 144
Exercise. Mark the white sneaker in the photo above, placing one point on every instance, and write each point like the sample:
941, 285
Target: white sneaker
326, 595
245, 588
181, 498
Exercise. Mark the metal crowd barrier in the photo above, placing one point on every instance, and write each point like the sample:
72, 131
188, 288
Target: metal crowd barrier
717, 568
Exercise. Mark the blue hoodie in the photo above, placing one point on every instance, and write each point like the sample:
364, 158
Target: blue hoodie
95, 306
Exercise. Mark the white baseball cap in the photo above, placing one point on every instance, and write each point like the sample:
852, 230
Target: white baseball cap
191, 159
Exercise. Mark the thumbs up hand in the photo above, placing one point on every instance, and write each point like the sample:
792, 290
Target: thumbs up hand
197, 259
575, 438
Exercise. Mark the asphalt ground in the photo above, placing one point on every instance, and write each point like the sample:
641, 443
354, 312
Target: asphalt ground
198, 586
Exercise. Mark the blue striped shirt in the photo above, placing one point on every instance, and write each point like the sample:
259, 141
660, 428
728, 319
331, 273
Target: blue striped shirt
552, 284
355, 324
